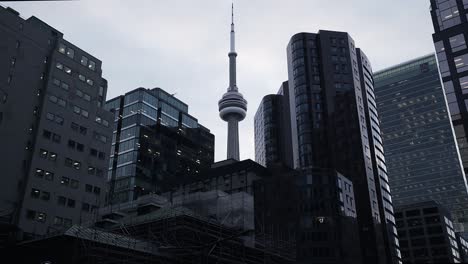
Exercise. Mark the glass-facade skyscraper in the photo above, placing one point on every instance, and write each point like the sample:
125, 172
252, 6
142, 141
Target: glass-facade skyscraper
422, 157
273, 129
451, 29
156, 144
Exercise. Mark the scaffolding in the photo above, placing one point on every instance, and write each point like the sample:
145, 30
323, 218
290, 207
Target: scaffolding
197, 228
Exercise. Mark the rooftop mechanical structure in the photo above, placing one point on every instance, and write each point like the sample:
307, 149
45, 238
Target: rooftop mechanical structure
232, 106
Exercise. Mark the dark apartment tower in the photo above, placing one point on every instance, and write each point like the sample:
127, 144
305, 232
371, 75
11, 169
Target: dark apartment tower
427, 235
273, 129
54, 132
422, 155
451, 28
156, 144
335, 127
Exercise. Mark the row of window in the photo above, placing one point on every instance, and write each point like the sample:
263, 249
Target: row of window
65, 181
71, 54
95, 153
45, 154
51, 136
44, 174
54, 118
85, 79
78, 128
72, 164
75, 145
100, 137
38, 194
61, 84
80, 111
64, 68
57, 100
83, 95
102, 121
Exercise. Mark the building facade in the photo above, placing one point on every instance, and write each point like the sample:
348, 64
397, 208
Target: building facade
335, 126
420, 147
156, 144
55, 134
273, 129
450, 27
427, 234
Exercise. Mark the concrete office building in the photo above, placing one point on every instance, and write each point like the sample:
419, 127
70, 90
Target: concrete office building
420, 147
156, 144
335, 127
55, 134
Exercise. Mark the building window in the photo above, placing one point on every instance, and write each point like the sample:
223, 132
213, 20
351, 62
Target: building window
92, 65
67, 70
61, 200
89, 82
65, 181
88, 188
59, 66
457, 43
84, 61
62, 48
70, 53
71, 203
442, 59
461, 63
35, 193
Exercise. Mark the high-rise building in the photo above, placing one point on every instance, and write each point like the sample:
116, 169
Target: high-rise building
232, 106
273, 129
335, 127
156, 144
420, 148
55, 134
451, 28
427, 234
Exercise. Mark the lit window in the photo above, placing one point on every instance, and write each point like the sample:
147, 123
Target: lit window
457, 43
84, 61
62, 48
67, 70
92, 65
81, 77
89, 82
70, 53
461, 62
59, 66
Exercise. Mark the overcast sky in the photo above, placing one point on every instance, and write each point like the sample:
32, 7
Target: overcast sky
182, 45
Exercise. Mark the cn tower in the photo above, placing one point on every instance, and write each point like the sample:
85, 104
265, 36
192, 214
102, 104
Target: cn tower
232, 106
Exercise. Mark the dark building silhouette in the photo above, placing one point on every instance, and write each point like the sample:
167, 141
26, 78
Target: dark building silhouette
54, 133
156, 144
273, 129
420, 148
335, 129
427, 235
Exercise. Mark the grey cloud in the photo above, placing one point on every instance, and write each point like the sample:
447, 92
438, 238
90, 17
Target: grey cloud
182, 45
